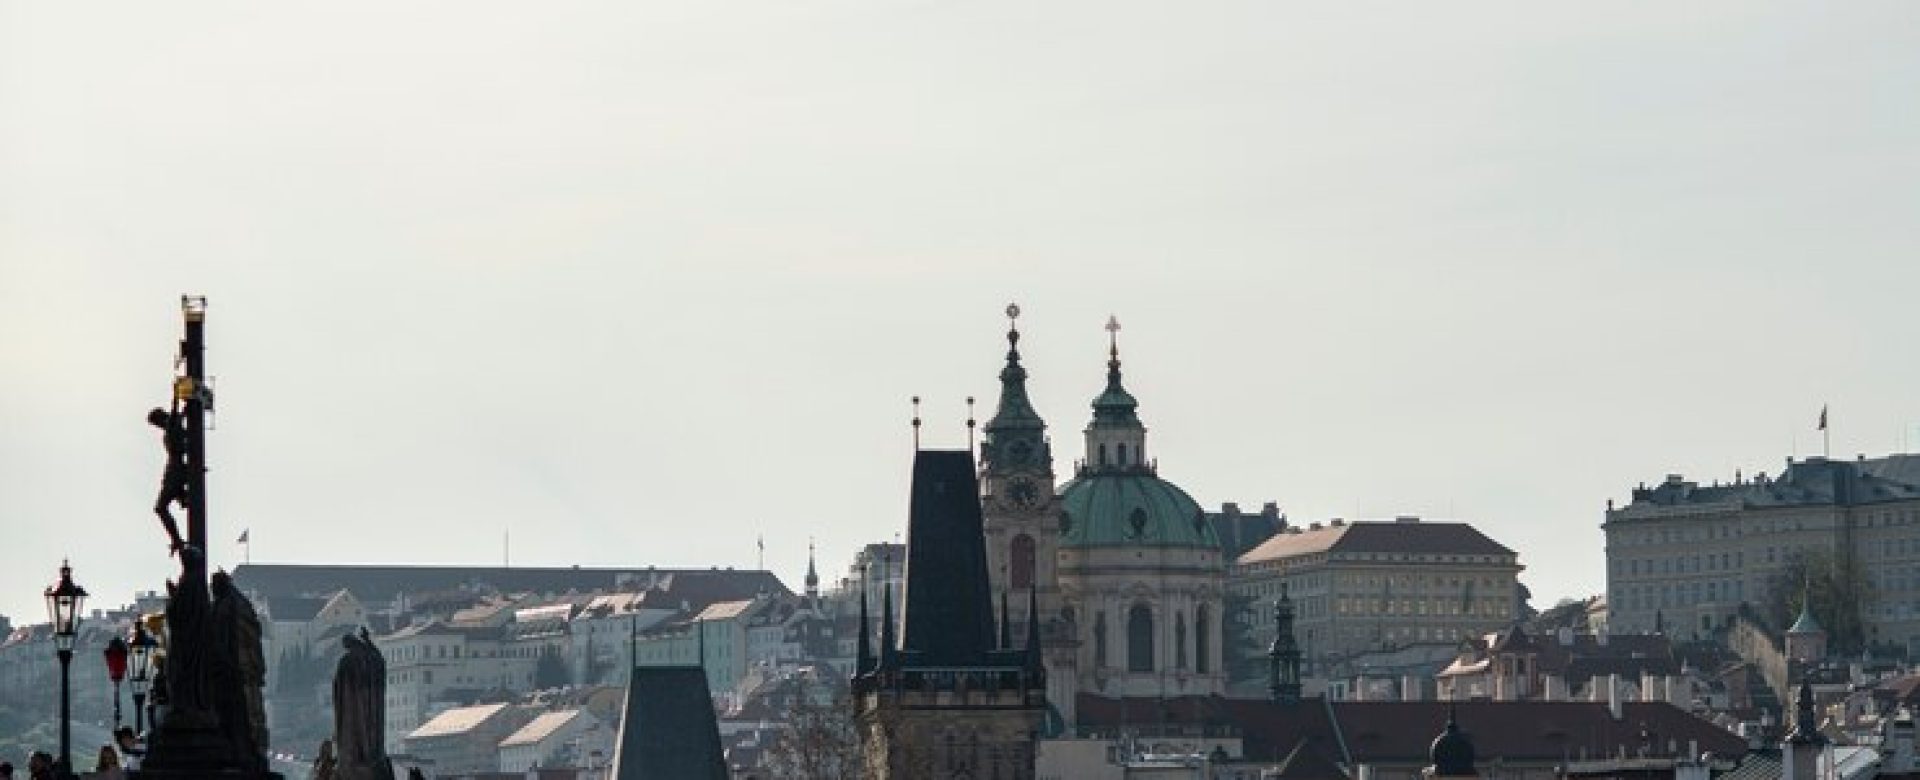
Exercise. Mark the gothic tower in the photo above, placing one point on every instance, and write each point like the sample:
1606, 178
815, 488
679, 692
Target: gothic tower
1020, 508
951, 701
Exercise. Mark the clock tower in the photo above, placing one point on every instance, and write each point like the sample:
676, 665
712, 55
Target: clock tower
1017, 486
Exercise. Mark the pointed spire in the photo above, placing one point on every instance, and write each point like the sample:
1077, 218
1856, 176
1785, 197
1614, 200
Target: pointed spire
1806, 720
813, 574
1283, 657
1114, 404
1006, 626
1016, 410
887, 645
863, 663
1034, 665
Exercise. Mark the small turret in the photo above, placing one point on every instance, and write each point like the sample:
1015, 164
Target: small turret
813, 575
1283, 657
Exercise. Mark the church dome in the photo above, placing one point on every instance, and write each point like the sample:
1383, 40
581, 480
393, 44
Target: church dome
1131, 508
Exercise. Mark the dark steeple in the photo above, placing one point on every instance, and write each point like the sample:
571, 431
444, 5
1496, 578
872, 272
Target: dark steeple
887, 644
863, 664
949, 609
1283, 657
1806, 722
813, 577
1016, 436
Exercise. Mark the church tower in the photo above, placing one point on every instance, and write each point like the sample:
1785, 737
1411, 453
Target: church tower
1020, 508
1141, 573
952, 700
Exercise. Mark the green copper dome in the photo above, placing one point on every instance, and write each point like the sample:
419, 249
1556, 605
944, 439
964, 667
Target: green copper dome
1131, 508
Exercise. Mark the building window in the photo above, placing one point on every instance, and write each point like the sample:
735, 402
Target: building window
1140, 639
1122, 453
1022, 556
1103, 454
1202, 643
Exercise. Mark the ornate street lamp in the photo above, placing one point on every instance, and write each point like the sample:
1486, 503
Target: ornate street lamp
64, 600
140, 652
116, 656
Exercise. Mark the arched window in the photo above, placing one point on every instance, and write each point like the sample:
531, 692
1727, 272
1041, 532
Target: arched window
1021, 556
1180, 640
1140, 639
1103, 454
1099, 639
1123, 453
1202, 640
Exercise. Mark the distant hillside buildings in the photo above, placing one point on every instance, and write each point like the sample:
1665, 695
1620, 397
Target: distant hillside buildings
1682, 557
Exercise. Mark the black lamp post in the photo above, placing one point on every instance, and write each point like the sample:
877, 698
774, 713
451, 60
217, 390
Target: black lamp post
116, 657
140, 653
64, 600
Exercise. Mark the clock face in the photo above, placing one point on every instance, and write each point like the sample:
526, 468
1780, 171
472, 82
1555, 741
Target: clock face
1023, 493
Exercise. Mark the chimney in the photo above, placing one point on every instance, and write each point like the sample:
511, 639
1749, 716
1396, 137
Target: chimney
1270, 509
1614, 705
1230, 509
1407, 519
1649, 687
1338, 522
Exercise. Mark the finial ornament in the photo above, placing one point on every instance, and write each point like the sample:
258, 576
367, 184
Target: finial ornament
970, 422
1013, 312
916, 422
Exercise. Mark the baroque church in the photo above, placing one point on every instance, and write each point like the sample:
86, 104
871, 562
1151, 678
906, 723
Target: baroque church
1128, 575
1117, 574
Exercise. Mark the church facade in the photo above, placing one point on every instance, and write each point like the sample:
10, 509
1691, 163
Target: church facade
1129, 573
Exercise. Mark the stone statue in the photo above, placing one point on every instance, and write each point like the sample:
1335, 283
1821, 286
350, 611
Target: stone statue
187, 649
238, 673
360, 711
174, 481
323, 764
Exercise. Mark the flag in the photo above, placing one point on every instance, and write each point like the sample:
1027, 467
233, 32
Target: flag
243, 536
1823, 418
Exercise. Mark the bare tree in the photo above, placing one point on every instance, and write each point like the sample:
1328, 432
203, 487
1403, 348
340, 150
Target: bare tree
820, 741
1841, 591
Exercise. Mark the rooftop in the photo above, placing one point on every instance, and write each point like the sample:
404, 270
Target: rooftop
456, 721
1396, 537
540, 728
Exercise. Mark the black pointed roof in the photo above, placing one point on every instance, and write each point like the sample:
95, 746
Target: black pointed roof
949, 612
669, 729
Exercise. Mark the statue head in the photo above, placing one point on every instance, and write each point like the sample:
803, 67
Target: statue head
157, 417
221, 583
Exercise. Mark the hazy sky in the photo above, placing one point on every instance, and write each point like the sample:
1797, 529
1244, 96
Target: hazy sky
642, 282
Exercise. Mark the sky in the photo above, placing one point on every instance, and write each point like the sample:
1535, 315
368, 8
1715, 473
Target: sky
644, 283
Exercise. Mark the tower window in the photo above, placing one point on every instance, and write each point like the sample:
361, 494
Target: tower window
1140, 639
1122, 454
1103, 454
1021, 556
